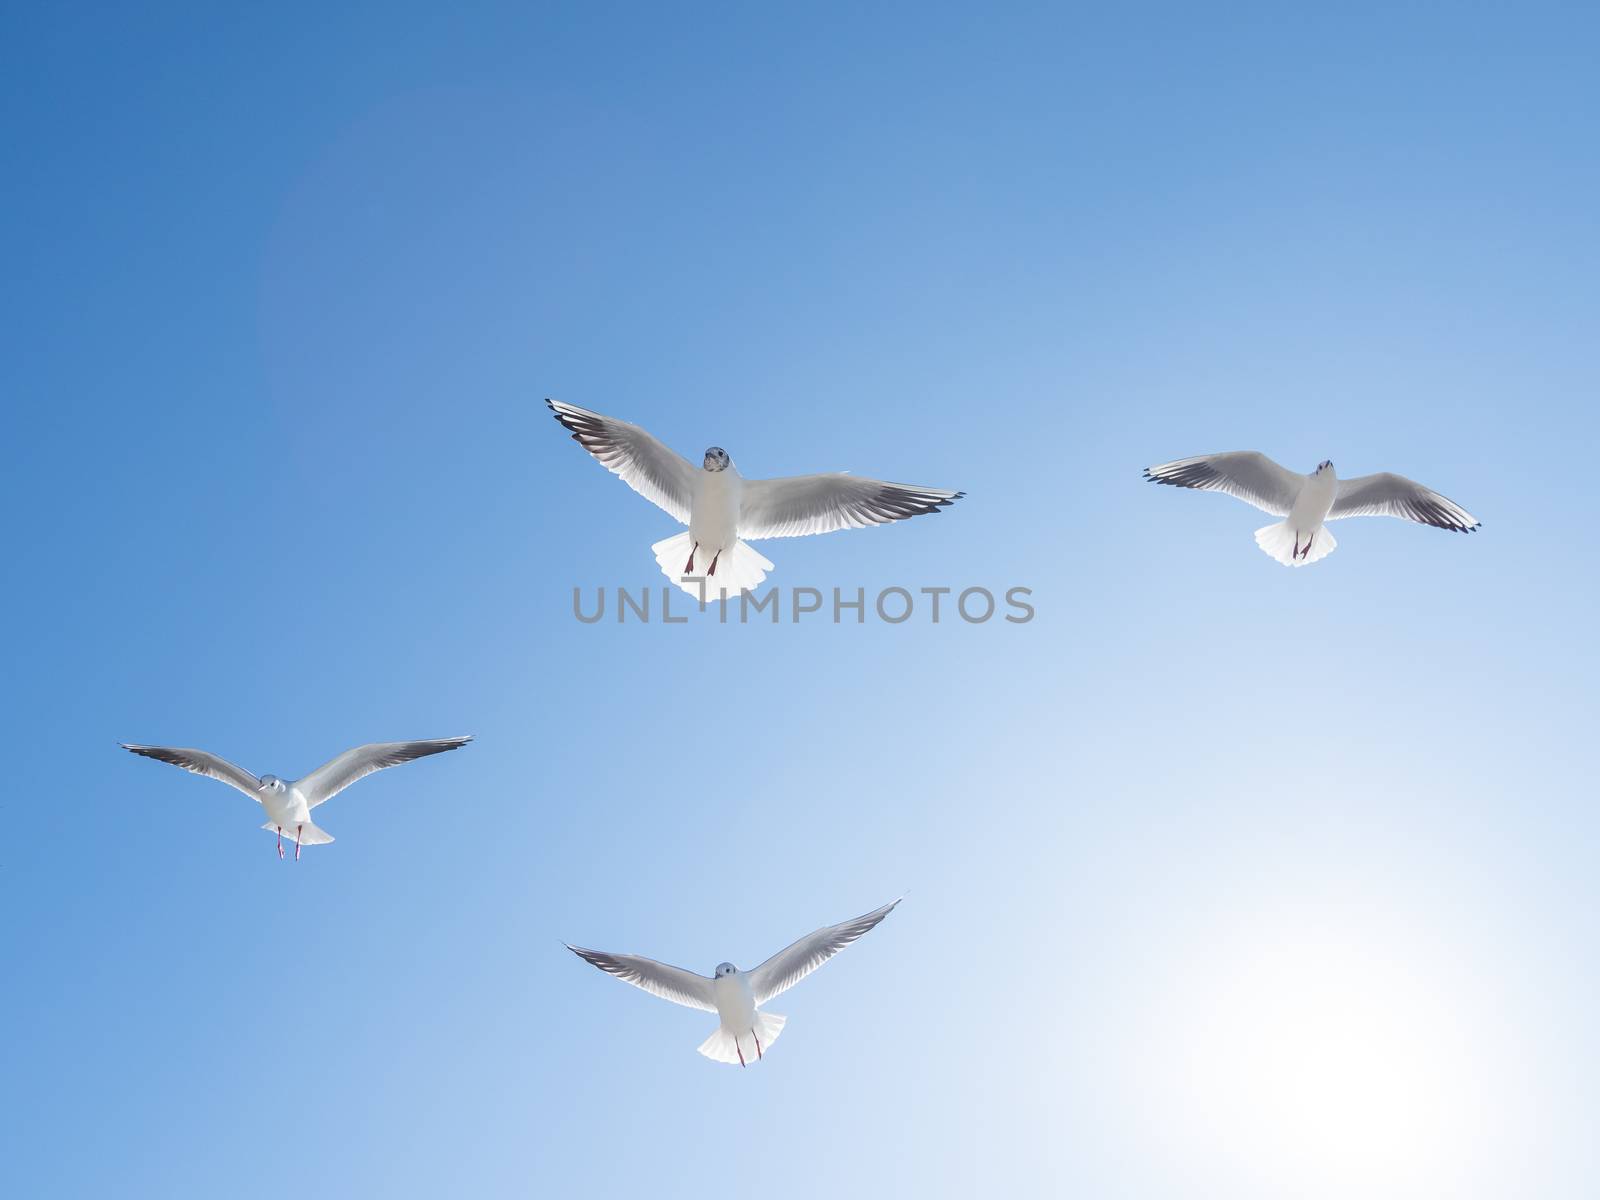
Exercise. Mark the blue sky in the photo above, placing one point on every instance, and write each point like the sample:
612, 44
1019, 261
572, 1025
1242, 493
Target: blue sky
1223, 879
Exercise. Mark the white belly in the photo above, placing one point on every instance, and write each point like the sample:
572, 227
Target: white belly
288, 810
1312, 504
714, 514
736, 1006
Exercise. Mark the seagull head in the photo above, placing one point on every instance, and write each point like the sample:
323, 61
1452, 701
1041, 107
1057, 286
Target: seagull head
271, 783
1325, 465
726, 969
717, 459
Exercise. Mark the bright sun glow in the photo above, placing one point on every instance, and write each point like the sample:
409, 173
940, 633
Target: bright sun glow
1321, 1059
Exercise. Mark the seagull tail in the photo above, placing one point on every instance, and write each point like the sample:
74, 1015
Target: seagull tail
1278, 541
310, 835
723, 1047
738, 569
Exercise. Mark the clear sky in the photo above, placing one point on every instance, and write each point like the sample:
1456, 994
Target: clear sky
1223, 879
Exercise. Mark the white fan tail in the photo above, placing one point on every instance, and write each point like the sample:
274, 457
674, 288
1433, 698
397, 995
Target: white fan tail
740, 569
1278, 541
723, 1047
309, 834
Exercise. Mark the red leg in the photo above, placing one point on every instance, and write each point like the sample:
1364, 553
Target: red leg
758, 1045
280, 842
740, 1049
297, 830
688, 567
714, 558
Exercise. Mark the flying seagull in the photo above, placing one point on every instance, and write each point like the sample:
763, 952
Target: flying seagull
736, 996
289, 802
724, 510
1306, 501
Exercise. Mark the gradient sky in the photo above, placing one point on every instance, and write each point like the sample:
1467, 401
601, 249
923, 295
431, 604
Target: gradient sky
1223, 879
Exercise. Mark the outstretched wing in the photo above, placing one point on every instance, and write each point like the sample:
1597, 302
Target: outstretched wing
328, 780
798, 505
788, 967
662, 476
670, 983
1390, 495
204, 763
1247, 475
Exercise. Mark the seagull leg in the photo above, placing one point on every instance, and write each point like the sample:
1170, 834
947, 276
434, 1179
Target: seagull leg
688, 567
297, 830
713, 569
740, 1049
758, 1045
1306, 553
280, 843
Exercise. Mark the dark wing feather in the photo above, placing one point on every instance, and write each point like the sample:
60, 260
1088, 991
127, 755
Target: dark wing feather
1390, 495
789, 966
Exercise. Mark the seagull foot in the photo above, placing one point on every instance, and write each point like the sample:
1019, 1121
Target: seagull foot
713, 569
688, 567
758, 1045
297, 830
740, 1050
280, 843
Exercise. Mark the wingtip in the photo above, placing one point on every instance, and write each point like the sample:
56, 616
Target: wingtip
567, 416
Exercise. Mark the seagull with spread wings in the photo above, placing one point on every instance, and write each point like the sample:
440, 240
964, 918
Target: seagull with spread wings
724, 510
737, 996
289, 802
1306, 502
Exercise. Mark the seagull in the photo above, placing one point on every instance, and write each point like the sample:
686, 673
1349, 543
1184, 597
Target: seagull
1306, 501
289, 802
723, 509
736, 996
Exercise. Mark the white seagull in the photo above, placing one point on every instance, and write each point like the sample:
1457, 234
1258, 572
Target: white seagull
737, 996
1306, 501
723, 509
289, 802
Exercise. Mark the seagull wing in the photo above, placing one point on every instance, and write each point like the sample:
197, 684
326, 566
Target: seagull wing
1247, 475
332, 777
788, 967
203, 763
657, 978
798, 505
662, 476
1389, 495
